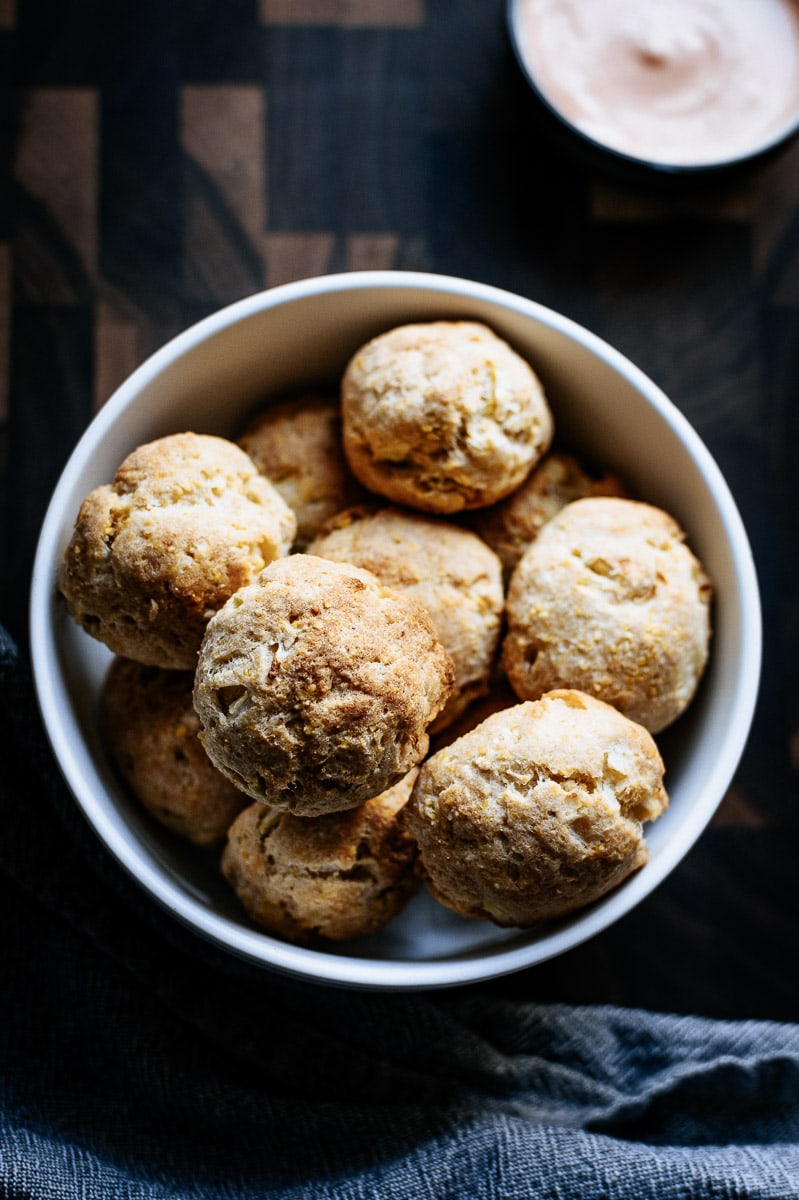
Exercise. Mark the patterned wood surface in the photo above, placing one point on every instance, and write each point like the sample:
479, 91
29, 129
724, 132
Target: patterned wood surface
159, 160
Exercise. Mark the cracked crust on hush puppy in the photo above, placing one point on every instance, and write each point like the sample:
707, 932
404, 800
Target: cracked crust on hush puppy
335, 877
511, 525
609, 599
316, 685
454, 574
443, 416
296, 443
152, 734
537, 811
186, 521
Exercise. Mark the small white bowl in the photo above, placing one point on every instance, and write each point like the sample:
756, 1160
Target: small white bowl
649, 165
209, 379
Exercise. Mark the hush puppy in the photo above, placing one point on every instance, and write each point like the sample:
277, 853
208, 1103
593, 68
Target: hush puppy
442, 416
296, 443
186, 521
538, 811
511, 525
448, 569
152, 734
315, 686
609, 599
339, 876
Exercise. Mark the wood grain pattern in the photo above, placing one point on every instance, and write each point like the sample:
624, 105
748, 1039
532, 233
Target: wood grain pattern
776, 201
57, 164
296, 256
371, 251
736, 811
222, 128
117, 350
613, 203
348, 13
222, 131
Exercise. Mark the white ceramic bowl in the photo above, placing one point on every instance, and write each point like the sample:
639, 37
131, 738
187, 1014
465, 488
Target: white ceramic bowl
652, 167
209, 379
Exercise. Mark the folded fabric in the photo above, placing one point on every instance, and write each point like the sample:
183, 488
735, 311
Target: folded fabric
138, 1061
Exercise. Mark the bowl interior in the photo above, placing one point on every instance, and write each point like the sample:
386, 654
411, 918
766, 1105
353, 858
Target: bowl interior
210, 379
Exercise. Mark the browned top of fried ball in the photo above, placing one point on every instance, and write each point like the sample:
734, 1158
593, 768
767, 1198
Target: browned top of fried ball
609, 599
185, 522
338, 876
152, 734
538, 811
296, 443
454, 574
509, 526
442, 416
316, 685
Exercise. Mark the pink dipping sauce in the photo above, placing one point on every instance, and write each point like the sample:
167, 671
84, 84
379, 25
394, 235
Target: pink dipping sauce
682, 82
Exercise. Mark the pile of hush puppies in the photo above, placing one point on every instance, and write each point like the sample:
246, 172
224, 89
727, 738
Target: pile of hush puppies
394, 636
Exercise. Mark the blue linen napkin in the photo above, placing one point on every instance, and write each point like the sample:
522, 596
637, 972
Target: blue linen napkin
137, 1061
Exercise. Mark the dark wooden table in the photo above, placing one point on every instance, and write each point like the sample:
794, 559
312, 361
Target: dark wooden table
161, 159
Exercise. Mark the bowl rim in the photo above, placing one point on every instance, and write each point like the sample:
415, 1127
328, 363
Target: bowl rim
654, 167
336, 968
